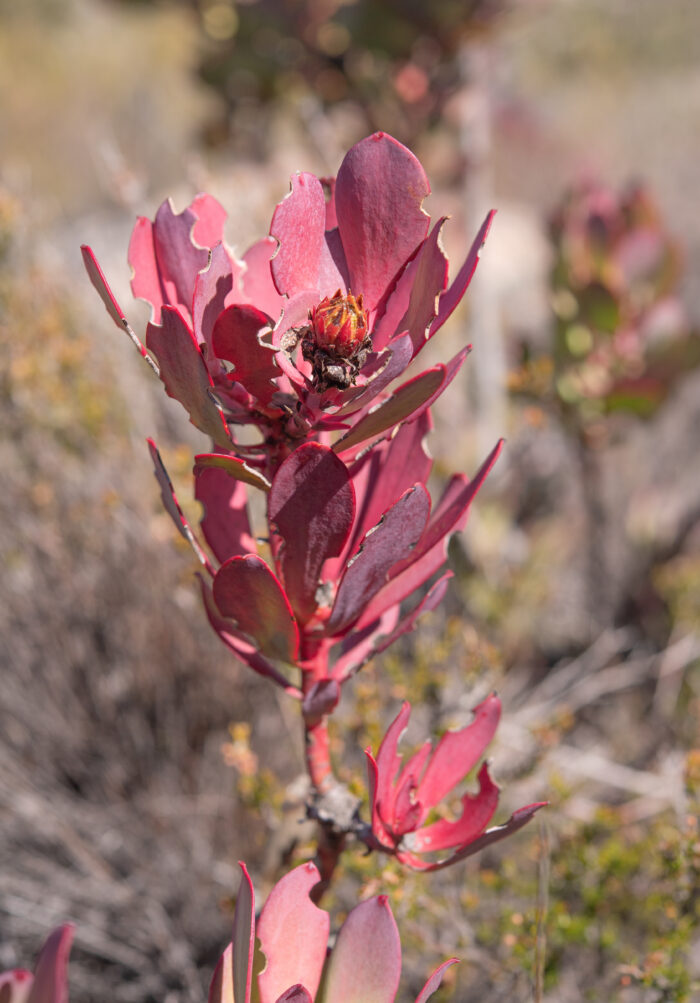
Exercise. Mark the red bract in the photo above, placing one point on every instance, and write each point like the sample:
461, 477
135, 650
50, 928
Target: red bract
403, 795
311, 328
364, 965
49, 983
347, 546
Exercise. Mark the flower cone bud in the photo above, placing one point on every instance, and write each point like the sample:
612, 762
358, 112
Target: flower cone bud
339, 324
337, 340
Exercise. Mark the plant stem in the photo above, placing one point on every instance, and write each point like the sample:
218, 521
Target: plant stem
314, 666
331, 842
330, 847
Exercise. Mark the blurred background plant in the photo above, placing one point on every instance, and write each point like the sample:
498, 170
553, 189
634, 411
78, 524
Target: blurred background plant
621, 336
125, 799
621, 340
394, 63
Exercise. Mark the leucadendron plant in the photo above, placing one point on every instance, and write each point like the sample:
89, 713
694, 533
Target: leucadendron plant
306, 338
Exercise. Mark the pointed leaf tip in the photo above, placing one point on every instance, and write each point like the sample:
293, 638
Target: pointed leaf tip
435, 980
365, 964
97, 277
50, 983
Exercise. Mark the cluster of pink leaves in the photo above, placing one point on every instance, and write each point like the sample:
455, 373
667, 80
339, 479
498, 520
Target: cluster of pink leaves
292, 934
348, 544
403, 795
222, 329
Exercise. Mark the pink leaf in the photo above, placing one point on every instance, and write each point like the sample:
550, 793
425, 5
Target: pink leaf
329, 192
408, 779
378, 198
451, 297
258, 287
435, 980
365, 964
221, 985
210, 292
233, 467
401, 405
389, 762
458, 752
236, 338
96, 276
298, 224
385, 472
431, 552
185, 375
393, 307
243, 943
308, 256
381, 834
165, 260
242, 649
477, 812
516, 821
293, 935
451, 369
50, 983
145, 282
178, 259
453, 508
208, 229
429, 282
246, 591
172, 505
333, 268
407, 812
311, 505
397, 532
225, 521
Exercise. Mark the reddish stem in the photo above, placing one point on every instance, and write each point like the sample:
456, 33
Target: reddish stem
314, 666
